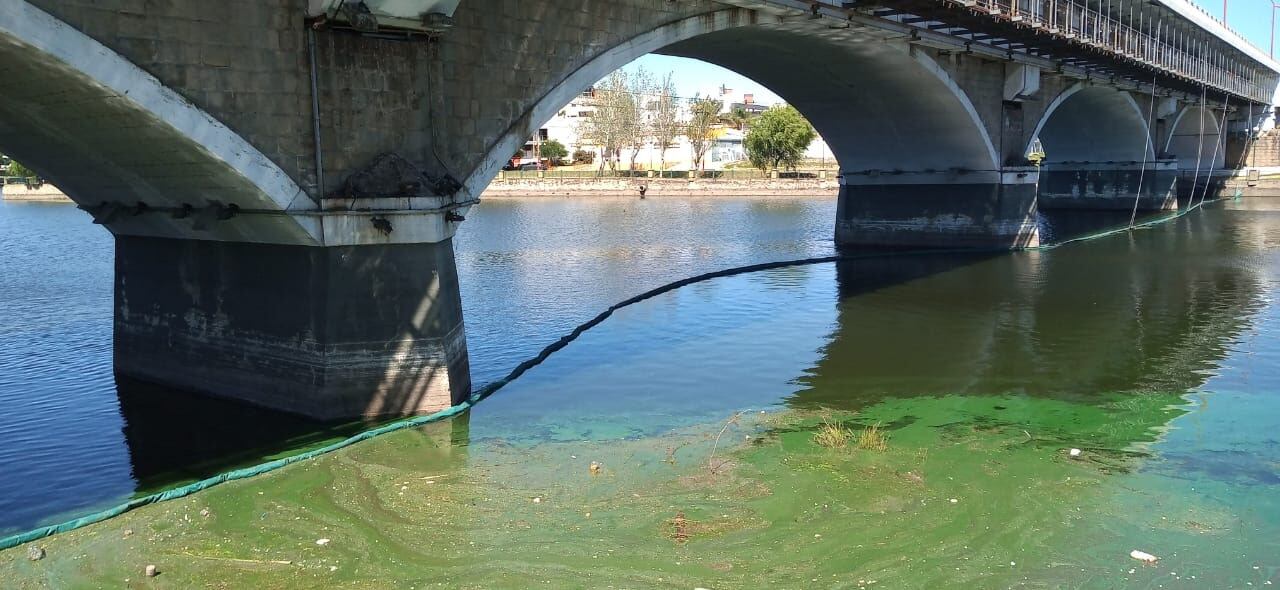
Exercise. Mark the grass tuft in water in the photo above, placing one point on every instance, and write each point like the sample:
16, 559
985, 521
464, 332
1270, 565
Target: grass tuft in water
873, 439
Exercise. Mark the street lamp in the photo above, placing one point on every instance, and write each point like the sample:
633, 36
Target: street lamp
1274, 5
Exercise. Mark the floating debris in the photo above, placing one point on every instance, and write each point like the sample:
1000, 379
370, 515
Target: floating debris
595, 468
1143, 556
322, 542
151, 571
35, 553
1074, 452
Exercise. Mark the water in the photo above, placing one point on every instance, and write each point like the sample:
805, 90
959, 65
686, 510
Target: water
530, 270
1154, 353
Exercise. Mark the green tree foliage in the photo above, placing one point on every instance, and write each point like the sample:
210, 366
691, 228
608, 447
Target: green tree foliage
640, 85
740, 118
17, 169
554, 151
778, 138
665, 125
704, 113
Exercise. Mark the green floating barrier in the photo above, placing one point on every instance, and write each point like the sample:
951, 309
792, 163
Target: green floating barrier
479, 395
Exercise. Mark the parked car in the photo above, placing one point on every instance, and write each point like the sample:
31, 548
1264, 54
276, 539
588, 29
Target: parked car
533, 166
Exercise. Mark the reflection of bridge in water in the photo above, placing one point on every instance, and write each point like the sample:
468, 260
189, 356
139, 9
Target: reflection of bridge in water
1100, 317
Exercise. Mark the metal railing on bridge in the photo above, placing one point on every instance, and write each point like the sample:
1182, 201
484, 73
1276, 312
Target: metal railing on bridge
1151, 42
1065, 27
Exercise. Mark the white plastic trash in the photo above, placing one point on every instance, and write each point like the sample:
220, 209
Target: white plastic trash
1143, 556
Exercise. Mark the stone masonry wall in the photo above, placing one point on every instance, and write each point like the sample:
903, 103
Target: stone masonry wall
243, 61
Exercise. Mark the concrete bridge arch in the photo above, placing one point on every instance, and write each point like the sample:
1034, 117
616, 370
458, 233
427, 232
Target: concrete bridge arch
1088, 123
1099, 153
1190, 146
918, 158
882, 107
108, 131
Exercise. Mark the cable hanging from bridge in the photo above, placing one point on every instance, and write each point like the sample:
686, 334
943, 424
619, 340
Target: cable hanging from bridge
1191, 196
1213, 158
1147, 145
484, 392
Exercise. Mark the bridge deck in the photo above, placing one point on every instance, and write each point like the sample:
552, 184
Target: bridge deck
1145, 44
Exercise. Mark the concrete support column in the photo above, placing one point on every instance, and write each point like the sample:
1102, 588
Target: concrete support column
1109, 185
326, 332
952, 209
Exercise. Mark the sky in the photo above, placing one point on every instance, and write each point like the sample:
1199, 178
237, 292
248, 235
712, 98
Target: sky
1250, 19
693, 77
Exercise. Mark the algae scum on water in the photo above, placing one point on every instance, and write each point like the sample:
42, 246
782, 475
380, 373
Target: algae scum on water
967, 491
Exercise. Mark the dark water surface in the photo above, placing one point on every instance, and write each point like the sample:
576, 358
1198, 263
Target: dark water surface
531, 270
1154, 352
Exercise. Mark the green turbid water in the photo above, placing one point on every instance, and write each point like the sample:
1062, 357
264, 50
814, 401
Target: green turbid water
970, 421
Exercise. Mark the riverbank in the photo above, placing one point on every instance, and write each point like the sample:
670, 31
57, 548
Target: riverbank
45, 193
504, 186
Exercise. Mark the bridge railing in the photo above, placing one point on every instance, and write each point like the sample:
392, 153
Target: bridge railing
1152, 41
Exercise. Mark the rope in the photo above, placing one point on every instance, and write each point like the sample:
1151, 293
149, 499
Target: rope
1199, 145
1146, 144
1248, 144
1213, 158
520, 369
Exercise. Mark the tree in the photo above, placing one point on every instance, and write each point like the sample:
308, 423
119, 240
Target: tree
703, 115
739, 118
779, 137
640, 88
16, 169
554, 151
610, 126
665, 123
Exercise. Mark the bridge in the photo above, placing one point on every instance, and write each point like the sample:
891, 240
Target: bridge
283, 178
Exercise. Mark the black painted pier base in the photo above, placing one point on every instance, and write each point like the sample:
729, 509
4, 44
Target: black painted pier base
1110, 186
326, 332
938, 212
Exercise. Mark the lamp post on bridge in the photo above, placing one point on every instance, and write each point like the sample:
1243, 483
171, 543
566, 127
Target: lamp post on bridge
1274, 4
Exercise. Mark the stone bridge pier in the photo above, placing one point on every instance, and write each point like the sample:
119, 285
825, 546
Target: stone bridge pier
284, 177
